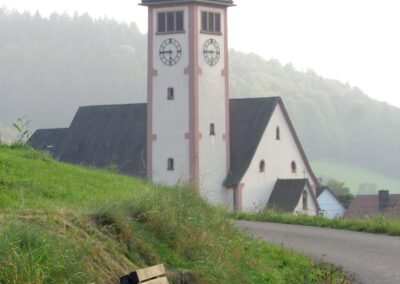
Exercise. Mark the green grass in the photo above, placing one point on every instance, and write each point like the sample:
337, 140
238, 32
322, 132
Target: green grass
61, 223
354, 175
379, 224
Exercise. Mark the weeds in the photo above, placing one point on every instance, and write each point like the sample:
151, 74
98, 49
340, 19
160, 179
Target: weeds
105, 225
379, 224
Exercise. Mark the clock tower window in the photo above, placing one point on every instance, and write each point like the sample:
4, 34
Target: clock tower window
170, 22
170, 166
211, 22
170, 94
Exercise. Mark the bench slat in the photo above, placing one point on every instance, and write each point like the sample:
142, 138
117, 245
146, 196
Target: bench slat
150, 272
162, 280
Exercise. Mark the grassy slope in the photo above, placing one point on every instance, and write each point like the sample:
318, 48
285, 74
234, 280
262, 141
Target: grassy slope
354, 175
379, 224
65, 223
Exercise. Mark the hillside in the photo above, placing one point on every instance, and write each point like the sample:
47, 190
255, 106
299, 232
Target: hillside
64, 223
49, 67
352, 176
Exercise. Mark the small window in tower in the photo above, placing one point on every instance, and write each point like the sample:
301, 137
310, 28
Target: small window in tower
204, 25
170, 94
161, 22
211, 22
294, 167
278, 133
179, 21
170, 21
305, 203
262, 166
212, 129
170, 164
217, 23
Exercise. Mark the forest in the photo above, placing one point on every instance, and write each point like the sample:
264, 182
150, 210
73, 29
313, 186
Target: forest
51, 66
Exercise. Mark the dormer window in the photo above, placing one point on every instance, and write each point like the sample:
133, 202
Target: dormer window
278, 133
170, 22
305, 203
212, 129
211, 22
294, 167
262, 166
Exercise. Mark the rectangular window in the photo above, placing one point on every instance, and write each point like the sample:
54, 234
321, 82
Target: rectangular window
217, 23
170, 95
211, 22
170, 22
170, 164
204, 21
179, 21
161, 22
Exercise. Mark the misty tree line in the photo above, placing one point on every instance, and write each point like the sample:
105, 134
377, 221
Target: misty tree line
51, 66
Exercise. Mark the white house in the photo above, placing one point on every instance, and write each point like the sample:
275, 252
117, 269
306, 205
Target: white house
330, 206
236, 152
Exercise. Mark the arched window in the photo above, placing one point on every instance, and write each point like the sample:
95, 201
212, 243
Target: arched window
170, 166
212, 129
294, 167
262, 166
278, 133
305, 204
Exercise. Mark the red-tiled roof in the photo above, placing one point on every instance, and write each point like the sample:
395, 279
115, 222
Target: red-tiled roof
368, 206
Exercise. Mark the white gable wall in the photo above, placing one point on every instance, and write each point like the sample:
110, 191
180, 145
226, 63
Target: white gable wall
312, 208
330, 206
278, 155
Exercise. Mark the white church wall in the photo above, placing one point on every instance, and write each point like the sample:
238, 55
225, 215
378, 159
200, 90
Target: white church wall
311, 206
212, 102
170, 117
330, 207
278, 155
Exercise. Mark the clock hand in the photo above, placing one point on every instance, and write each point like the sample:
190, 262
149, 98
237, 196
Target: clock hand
163, 52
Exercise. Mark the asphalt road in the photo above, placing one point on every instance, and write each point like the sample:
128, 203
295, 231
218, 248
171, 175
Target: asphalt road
370, 258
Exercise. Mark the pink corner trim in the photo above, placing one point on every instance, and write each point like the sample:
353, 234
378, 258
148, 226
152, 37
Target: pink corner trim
150, 74
193, 71
225, 74
238, 192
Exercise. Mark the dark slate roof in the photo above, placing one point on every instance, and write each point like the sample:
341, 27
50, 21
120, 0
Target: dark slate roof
368, 206
48, 139
248, 120
321, 189
159, 2
108, 135
286, 194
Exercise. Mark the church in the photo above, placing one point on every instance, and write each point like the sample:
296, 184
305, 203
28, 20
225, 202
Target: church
240, 153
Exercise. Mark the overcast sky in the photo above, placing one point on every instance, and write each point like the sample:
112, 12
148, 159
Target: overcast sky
355, 41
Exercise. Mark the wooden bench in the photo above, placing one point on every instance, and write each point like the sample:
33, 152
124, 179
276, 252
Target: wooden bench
150, 275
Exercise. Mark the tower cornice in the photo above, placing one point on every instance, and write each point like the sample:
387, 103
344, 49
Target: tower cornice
163, 2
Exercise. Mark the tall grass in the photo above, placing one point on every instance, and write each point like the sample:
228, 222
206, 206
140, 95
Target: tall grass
88, 225
379, 224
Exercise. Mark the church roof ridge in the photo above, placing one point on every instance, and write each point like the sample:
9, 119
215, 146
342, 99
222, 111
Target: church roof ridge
161, 2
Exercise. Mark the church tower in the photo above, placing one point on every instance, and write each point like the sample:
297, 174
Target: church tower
188, 95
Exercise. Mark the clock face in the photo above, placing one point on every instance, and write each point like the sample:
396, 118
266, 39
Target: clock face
170, 51
211, 52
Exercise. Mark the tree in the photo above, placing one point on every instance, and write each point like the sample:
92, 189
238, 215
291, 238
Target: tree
342, 193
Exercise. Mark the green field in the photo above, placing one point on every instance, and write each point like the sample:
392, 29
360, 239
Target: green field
354, 175
61, 223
